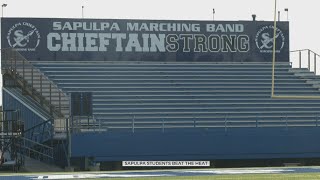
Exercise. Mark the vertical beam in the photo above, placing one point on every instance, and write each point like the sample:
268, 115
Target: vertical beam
315, 64
15, 63
50, 99
23, 71
274, 47
41, 85
32, 80
133, 119
225, 124
162, 125
300, 59
69, 142
59, 101
309, 59
11, 64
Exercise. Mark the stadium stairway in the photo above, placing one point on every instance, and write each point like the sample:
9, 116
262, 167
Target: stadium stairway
309, 77
153, 95
32, 165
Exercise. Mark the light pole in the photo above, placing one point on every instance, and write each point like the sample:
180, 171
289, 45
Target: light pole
3, 6
82, 12
254, 17
287, 10
213, 12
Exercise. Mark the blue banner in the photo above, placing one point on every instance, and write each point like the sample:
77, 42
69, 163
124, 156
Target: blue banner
42, 39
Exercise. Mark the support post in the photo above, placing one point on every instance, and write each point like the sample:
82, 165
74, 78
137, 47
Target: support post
315, 64
309, 59
31, 79
162, 125
274, 48
50, 98
69, 142
286, 122
59, 101
299, 59
133, 119
225, 124
41, 85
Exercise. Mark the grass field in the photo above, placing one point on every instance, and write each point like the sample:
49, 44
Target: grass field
271, 176
304, 176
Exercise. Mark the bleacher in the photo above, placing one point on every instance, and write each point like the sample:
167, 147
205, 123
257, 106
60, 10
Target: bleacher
152, 95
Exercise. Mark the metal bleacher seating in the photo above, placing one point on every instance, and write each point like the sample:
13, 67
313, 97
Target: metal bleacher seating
151, 95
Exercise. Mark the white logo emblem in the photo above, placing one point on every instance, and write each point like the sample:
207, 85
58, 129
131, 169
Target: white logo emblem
23, 37
264, 39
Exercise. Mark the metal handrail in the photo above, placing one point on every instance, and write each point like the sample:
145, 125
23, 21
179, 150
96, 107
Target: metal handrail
316, 56
9, 62
306, 50
132, 123
45, 148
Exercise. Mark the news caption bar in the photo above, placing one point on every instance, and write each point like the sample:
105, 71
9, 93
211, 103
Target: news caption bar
166, 163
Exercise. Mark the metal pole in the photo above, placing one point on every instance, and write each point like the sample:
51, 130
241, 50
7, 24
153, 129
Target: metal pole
41, 85
309, 60
279, 16
274, 46
213, 12
50, 98
287, 122
23, 71
225, 123
2, 8
300, 59
162, 125
315, 64
23, 75
32, 80
133, 124
82, 12
69, 142
11, 59
59, 101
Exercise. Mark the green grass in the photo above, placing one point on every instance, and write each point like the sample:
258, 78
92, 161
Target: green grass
293, 176
304, 176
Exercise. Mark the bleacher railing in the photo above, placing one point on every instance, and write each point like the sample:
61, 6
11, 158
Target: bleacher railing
305, 58
134, 123
35, 83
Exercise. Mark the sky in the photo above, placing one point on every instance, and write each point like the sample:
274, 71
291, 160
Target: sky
303, 15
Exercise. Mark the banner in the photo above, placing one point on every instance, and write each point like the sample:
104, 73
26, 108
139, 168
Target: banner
42, 39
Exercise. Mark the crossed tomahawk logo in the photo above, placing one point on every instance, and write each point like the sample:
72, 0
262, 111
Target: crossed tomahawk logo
267, 40
20, 38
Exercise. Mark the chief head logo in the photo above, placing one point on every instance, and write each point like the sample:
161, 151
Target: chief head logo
264, 39
23, 37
